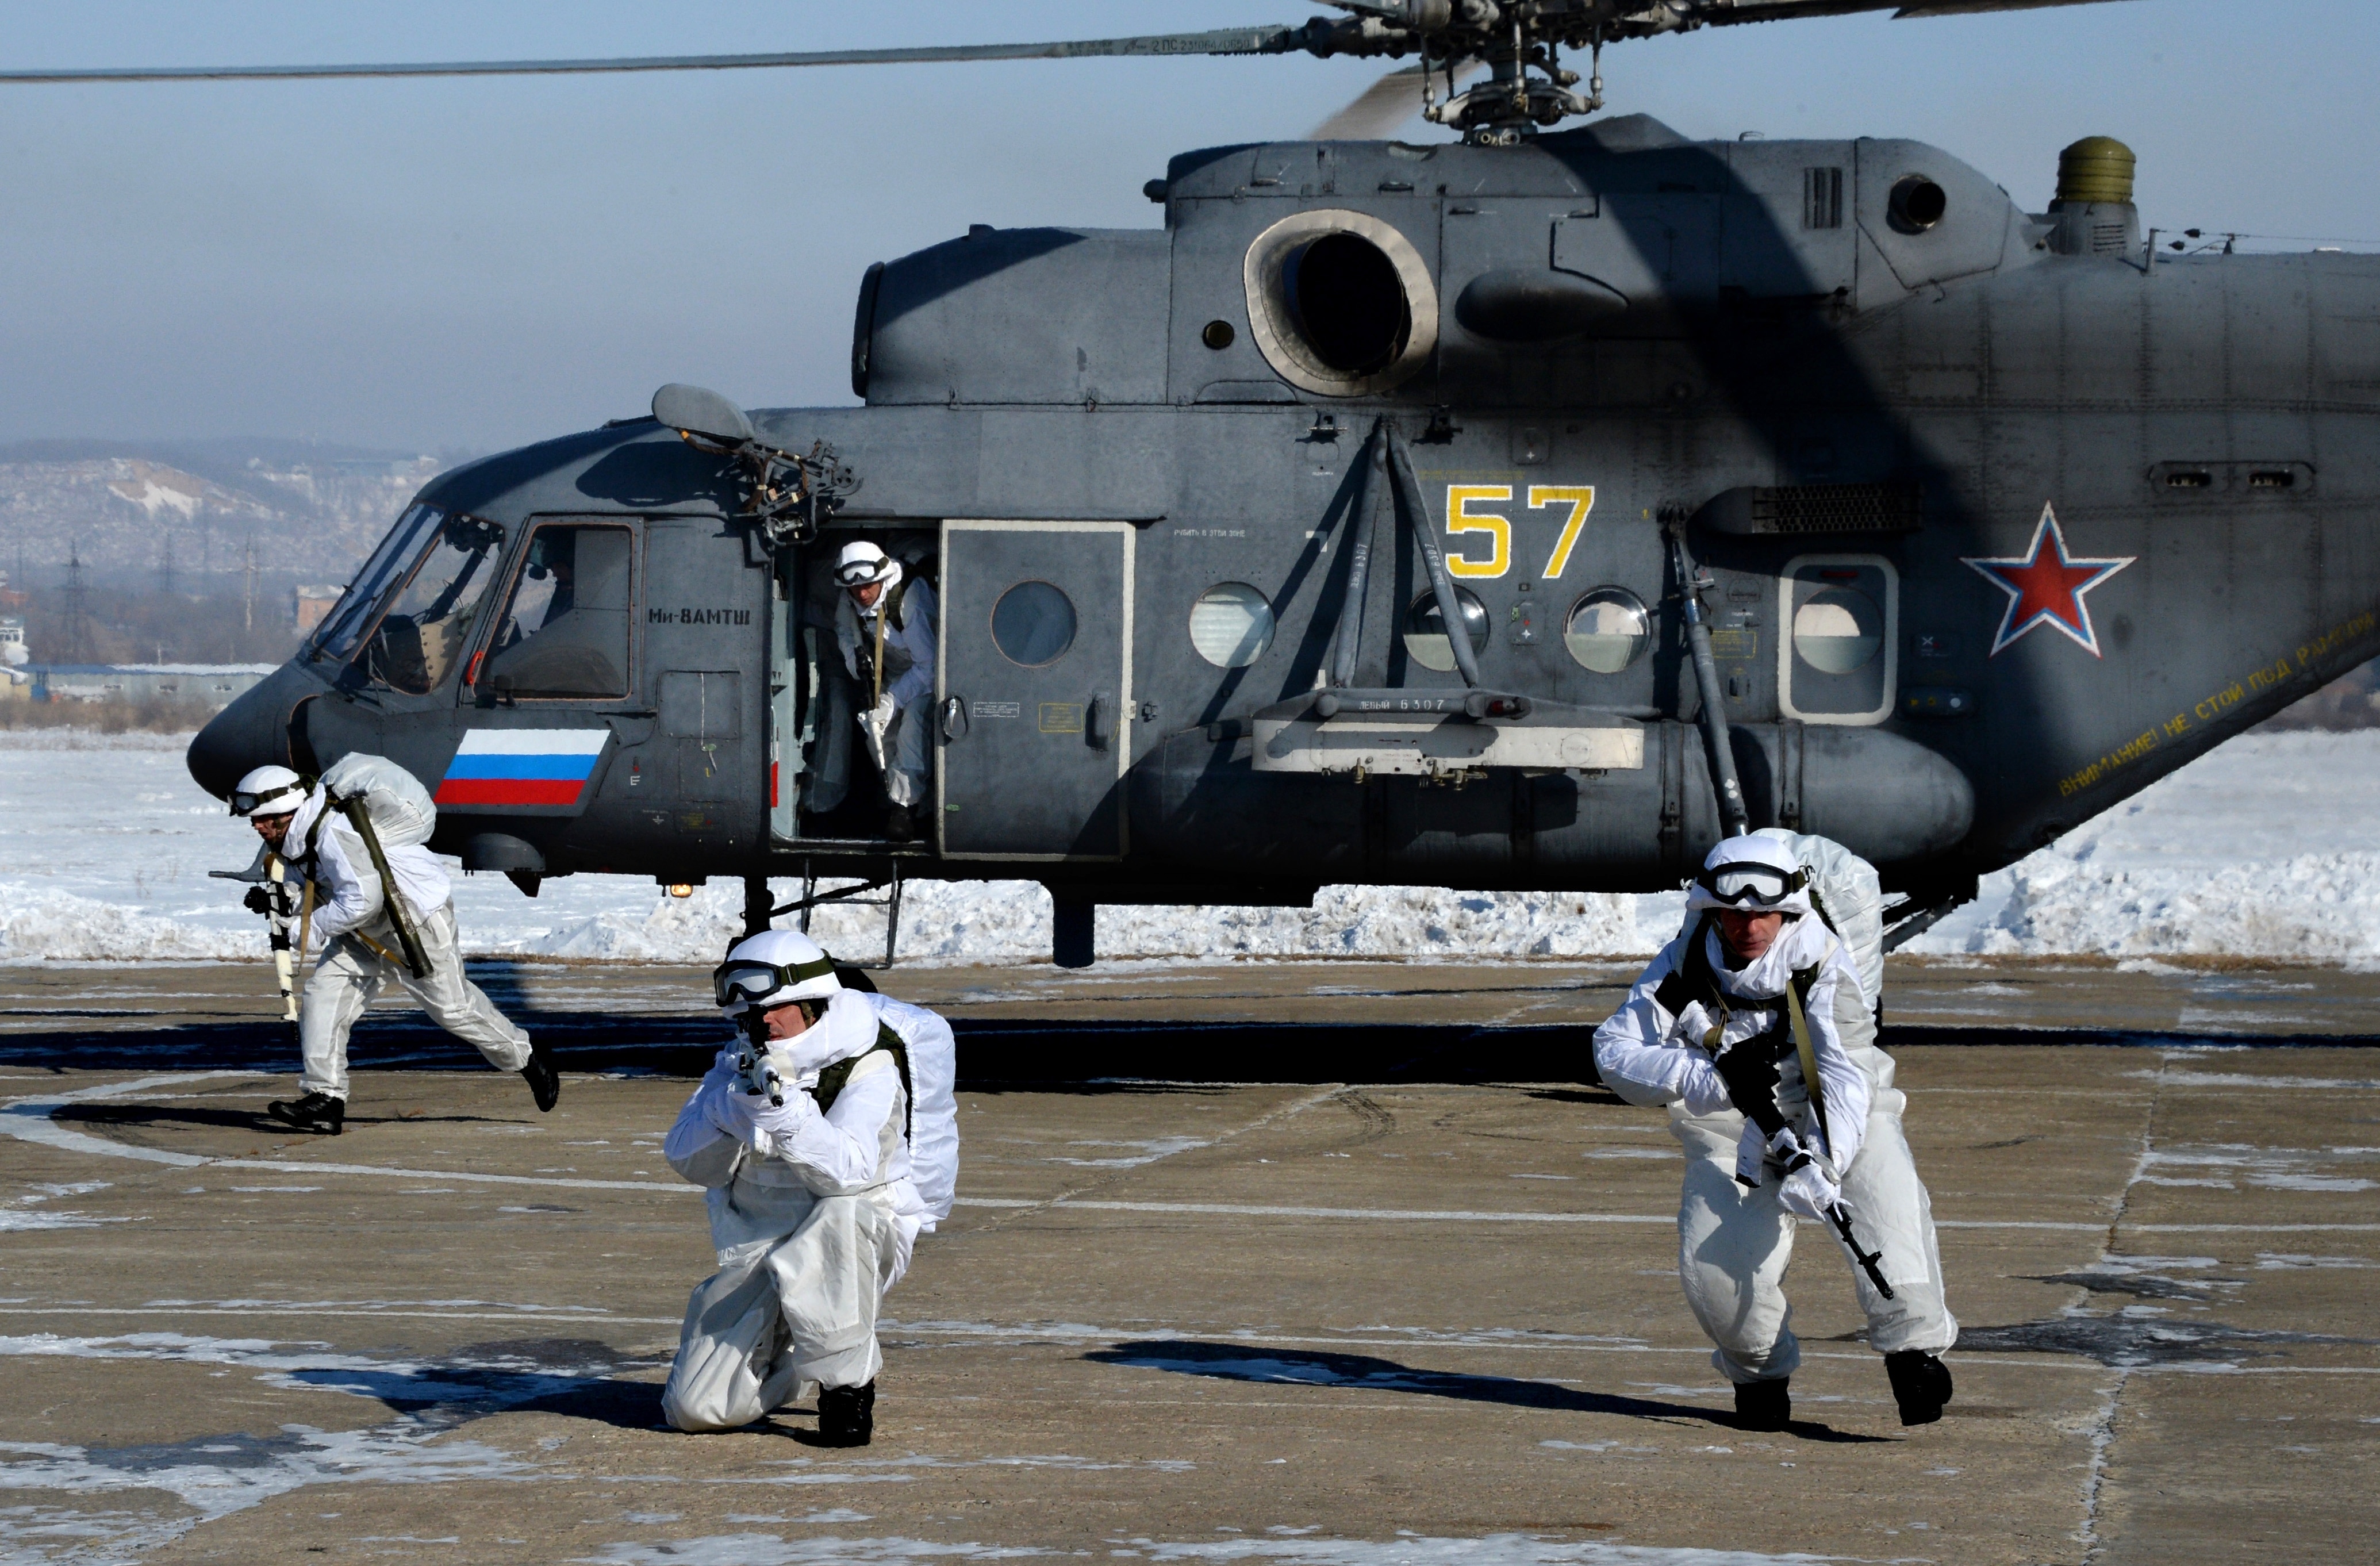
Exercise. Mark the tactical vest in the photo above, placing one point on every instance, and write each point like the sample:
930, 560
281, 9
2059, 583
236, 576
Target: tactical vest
1693, 979
835, 1078
896, 659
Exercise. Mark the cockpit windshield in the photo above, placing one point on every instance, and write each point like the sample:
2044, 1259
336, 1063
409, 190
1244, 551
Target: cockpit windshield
343, 627
404, 623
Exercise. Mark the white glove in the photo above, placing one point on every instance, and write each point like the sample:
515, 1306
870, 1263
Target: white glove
1808, 1193
874, 723
782, 1123
726, 1105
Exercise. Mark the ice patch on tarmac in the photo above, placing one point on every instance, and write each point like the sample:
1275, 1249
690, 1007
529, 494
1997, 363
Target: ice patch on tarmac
32, 1211
2227, 1166
1294, 1546
215, 1475
2267, 1261
2137, 1339
2260, 849
2170, 1076
1148, 1152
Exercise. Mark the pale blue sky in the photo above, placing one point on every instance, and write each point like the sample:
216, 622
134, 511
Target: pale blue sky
478, 264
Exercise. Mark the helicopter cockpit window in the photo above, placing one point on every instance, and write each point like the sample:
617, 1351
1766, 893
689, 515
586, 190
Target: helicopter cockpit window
343, 627
1425, 633
565, 631
1033, 624
434, 608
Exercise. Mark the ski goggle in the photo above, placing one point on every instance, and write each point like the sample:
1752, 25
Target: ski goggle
271, 802
859, 572
745, 980
1750, 885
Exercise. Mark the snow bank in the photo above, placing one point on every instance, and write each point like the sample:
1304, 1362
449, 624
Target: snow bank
1008, 921
2263, 849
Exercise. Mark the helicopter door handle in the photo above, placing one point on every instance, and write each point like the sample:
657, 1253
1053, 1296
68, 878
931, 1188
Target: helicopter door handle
953, 718
1099, 721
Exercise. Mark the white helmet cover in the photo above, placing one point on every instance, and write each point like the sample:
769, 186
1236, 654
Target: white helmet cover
770, 969
1751, 875
862, 563
268, 791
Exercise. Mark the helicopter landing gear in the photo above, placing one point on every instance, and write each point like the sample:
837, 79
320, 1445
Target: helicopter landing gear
760, 912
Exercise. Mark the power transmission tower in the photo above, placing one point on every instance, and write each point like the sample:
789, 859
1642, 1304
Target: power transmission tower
75, 611
166, 566
247, 570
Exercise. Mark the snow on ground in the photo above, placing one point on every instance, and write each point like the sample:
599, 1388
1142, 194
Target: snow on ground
2265, 848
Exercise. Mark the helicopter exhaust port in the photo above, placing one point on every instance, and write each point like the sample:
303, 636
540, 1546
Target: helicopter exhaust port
1340, 303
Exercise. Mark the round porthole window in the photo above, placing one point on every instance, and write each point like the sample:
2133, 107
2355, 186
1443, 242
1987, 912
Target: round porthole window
1607, 630
1033, 624
1230, 625
1425, 641
1837, 631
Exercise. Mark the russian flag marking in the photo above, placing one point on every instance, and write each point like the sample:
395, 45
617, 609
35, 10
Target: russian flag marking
522, 767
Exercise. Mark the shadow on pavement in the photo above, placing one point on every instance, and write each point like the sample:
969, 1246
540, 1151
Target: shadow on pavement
1299, 1368
185, 1116
1023, 1054
573, 1377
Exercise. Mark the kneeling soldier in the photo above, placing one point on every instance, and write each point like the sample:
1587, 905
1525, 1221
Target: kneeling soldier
828, 1142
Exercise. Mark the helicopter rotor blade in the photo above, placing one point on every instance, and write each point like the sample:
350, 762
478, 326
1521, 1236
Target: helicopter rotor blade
1380, 108
1725, 13
1225, 40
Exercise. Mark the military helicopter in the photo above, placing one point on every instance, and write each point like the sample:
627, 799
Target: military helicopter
1521, 512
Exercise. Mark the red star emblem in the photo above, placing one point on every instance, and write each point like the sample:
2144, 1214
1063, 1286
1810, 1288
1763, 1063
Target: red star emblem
2047, 589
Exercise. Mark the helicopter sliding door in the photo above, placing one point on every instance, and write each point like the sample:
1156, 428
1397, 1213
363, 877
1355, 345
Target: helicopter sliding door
1035, 676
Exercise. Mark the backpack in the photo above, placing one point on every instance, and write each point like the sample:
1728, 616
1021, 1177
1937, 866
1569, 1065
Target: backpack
401, 812
1849, 896
921, 1044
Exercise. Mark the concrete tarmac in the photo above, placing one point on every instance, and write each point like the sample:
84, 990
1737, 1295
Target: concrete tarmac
1268, 1262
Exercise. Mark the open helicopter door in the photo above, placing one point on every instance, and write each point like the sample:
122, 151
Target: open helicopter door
1035, 679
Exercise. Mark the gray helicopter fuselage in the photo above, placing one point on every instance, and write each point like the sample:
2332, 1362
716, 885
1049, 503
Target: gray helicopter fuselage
1999, 530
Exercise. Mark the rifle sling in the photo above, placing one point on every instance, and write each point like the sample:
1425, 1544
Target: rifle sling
835, 1078
1694, 979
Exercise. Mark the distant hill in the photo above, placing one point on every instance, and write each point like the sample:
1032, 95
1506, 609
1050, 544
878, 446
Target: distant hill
312, 510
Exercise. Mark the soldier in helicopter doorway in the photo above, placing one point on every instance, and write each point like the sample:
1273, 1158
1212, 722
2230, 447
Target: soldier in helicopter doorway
884, 629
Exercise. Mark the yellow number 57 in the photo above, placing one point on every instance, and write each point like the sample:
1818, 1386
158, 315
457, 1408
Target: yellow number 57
1461, 519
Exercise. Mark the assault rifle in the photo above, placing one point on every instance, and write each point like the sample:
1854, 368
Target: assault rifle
1749, 1070
759, 1076
268, 894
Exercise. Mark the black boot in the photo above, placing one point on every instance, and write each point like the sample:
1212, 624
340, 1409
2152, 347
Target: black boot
1921, 1385
847, 1416
544, 1082
1763, 1405
900, 826
315, 1111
